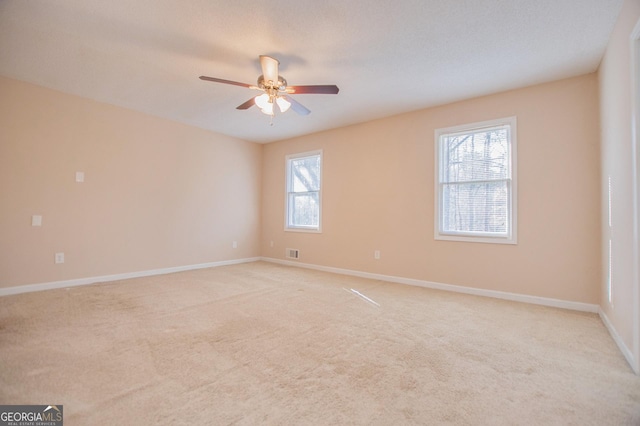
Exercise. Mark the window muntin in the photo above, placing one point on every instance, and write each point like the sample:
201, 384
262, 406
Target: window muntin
475, 178
303, 209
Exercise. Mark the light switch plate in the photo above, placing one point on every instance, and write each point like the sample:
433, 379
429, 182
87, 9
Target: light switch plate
79, 176
36, 220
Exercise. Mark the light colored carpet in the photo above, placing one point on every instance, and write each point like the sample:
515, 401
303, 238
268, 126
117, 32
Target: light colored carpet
260, 343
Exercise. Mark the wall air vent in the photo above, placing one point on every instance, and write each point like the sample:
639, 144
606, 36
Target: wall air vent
293, 253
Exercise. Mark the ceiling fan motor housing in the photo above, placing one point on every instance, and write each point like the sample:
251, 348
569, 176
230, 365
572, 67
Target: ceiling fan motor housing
281, 84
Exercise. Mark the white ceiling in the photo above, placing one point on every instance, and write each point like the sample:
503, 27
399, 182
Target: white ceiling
386, 56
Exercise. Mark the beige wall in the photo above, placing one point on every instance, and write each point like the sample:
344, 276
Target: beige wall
615, 105
378, 194
160, 194
157, 194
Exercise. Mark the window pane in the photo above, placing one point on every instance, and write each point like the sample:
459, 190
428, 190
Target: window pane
305, 174
481, 155
476, 207
303, 191
476, 182
305, 209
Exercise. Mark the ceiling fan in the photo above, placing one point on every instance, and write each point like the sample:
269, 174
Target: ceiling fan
275, 90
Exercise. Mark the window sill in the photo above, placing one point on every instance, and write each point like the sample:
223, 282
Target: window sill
304, 230
476, 239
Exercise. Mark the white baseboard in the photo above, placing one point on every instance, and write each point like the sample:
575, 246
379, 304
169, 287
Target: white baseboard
556, 303
92, 280
616, 338
576, 306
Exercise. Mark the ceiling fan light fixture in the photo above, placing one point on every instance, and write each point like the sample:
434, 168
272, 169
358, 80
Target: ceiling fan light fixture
268, 109
283, 104
262, 101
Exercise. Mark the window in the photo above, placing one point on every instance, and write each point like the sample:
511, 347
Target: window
304, 200
476, 185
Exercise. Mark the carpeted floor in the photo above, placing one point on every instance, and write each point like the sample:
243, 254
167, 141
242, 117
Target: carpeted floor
260, 343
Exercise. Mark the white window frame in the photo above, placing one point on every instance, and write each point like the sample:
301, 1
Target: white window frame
511, 237
287, 226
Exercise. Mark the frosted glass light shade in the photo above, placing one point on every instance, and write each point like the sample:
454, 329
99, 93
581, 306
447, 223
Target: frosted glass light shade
268, 109
283, 104
262, 101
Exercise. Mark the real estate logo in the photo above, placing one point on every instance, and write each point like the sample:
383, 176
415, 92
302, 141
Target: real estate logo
31, 415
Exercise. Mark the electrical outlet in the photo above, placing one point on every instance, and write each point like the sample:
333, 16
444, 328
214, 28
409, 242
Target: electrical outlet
59, 258
271, 243
80, 177
376, 254
235, 244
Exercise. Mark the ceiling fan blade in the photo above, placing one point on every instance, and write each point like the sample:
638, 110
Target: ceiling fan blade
220, 80
326, 89
251, 102
297, 106
269, 68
